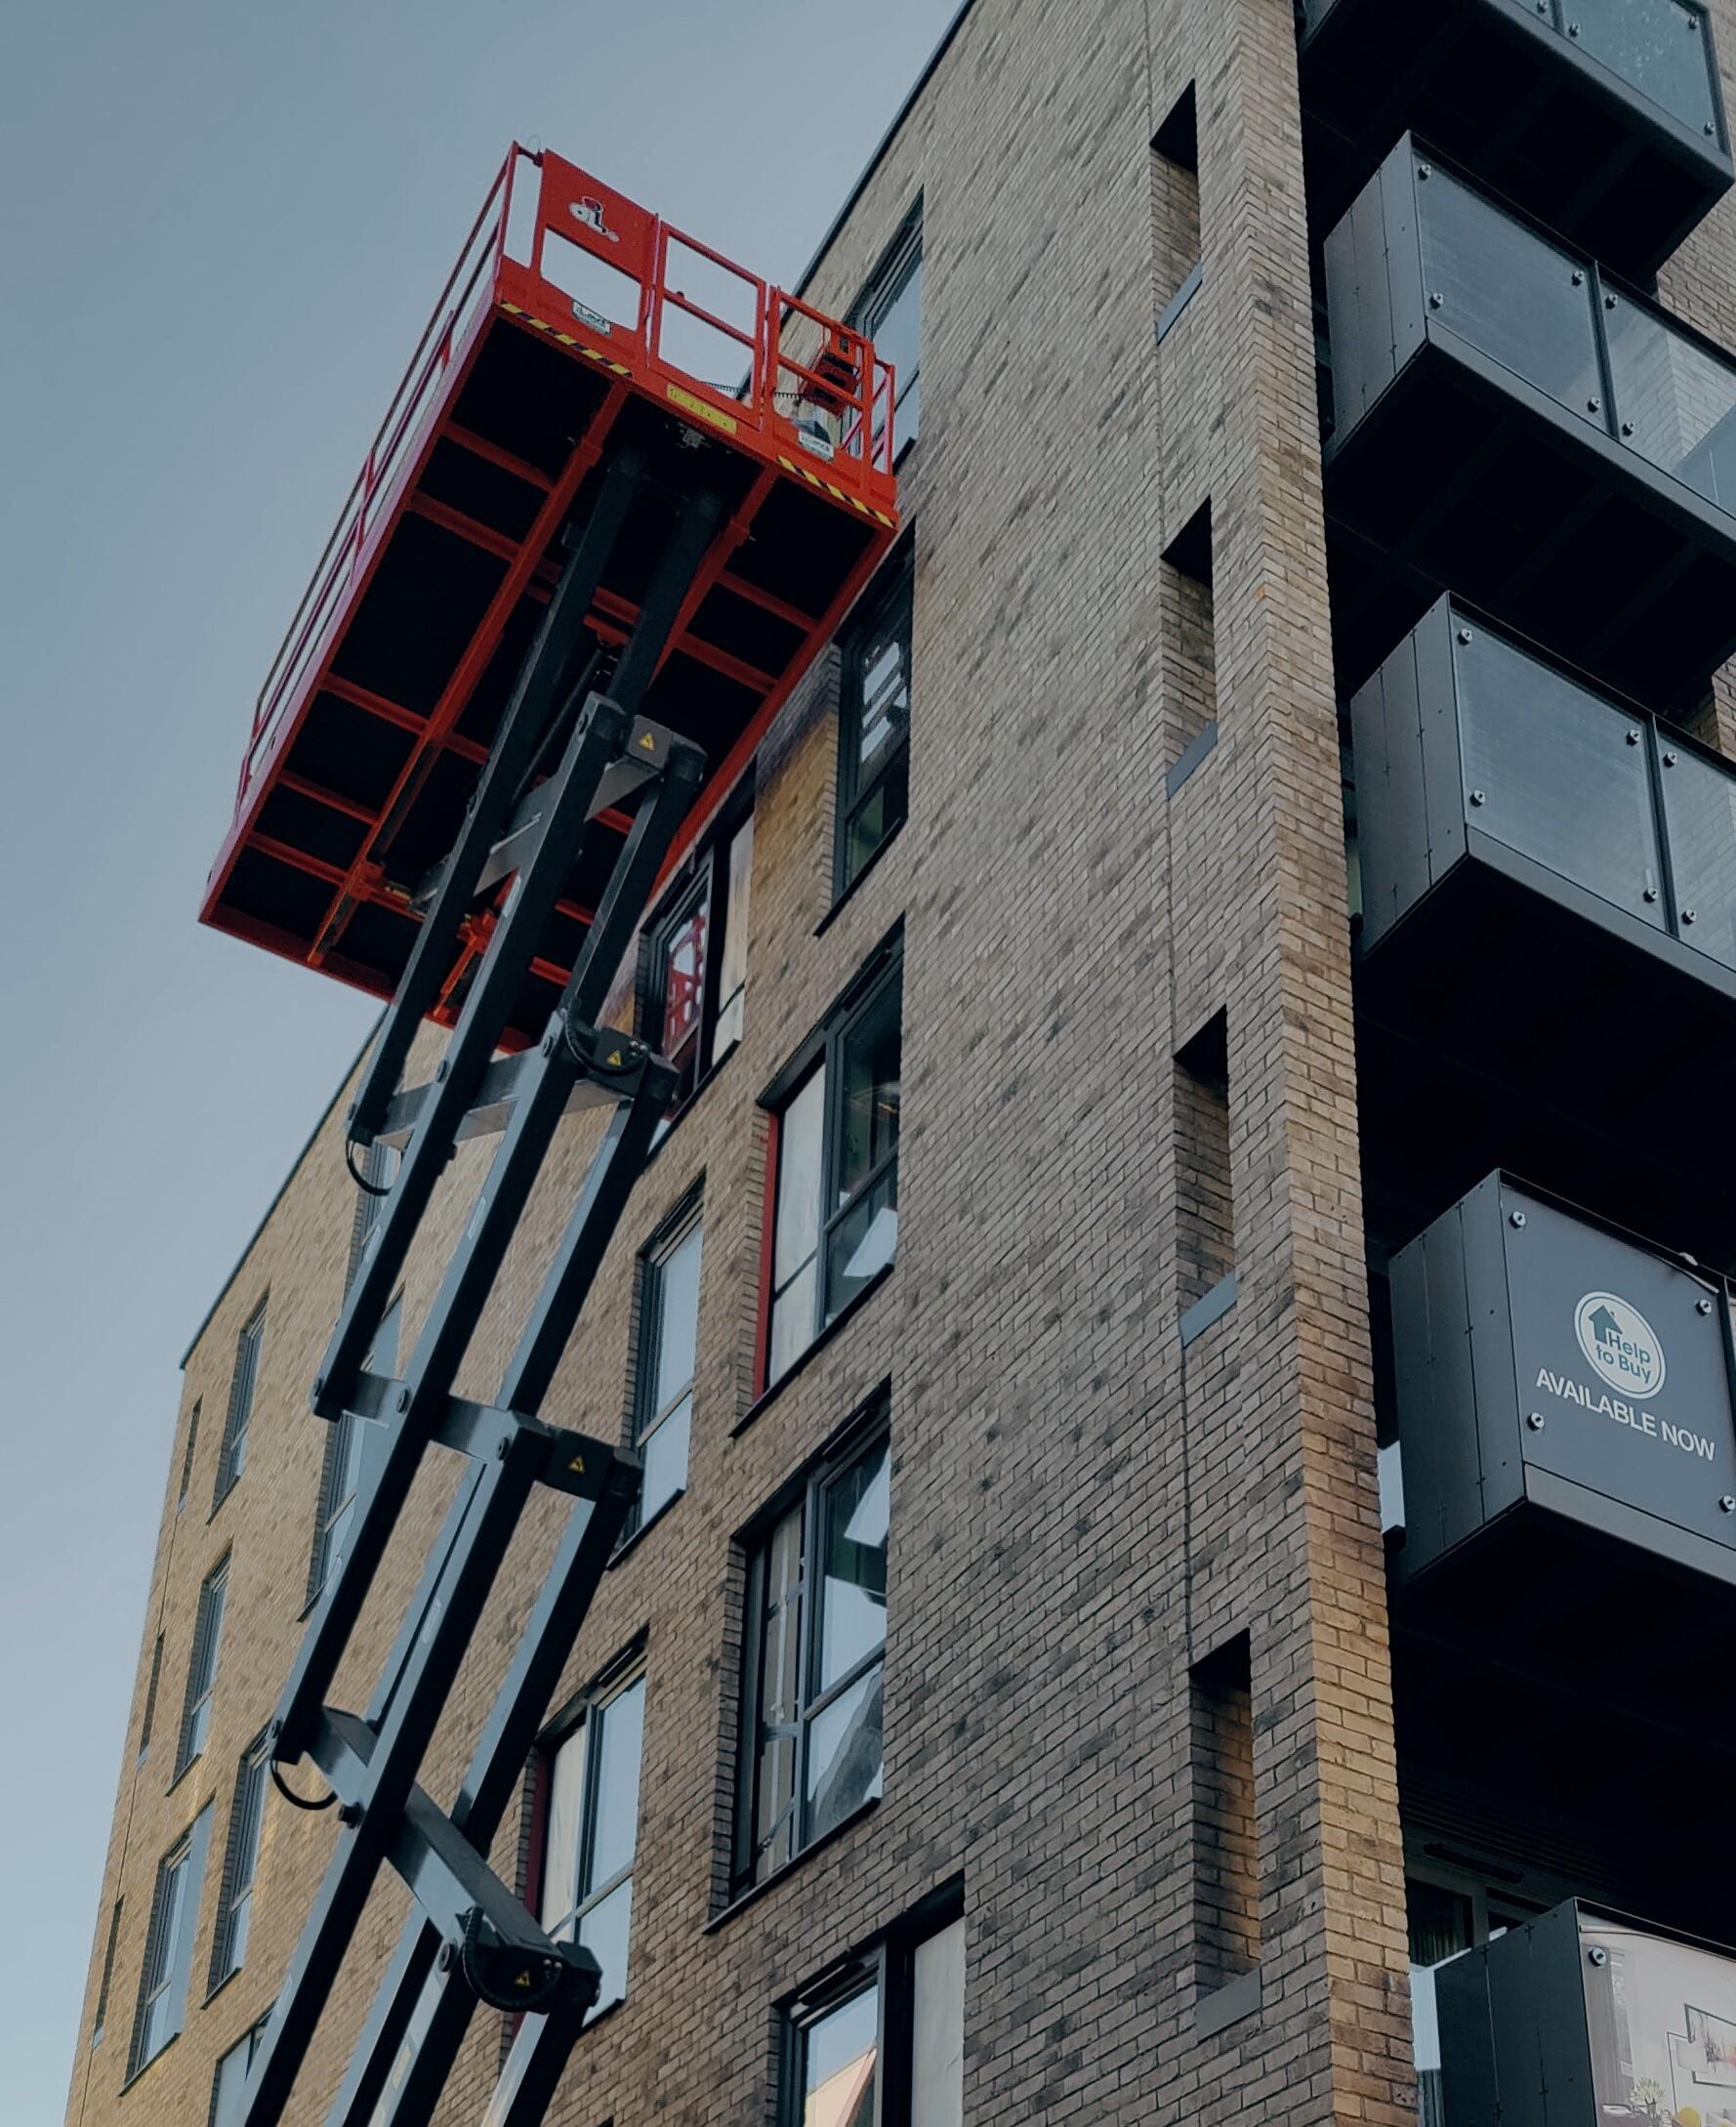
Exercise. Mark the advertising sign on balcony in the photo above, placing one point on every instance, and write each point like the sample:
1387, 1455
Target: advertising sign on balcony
1621, 1368
1546, 1364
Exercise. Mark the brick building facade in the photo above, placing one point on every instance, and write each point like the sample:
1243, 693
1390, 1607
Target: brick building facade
1138, 1791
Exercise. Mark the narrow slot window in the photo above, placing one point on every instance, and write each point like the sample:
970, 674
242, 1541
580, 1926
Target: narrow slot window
1225, 1844
1190, 647
1204, 1219
147, 1725
106, 1986
201, 1675
243, 1387
1176, 245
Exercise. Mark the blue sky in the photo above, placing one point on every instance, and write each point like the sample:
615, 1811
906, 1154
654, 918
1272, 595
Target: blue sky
221, 228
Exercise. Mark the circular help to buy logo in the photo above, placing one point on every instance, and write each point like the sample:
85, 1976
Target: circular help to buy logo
1620, 1344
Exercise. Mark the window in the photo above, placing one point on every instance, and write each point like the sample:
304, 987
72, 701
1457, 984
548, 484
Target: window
591, 1788
150, 1721
874, 727
1205, 1211
247, 1816
1188, 635
1225, 1841
835, 1210
891, 313
663, 1380
693, 977
813, 1655
1176, 251
353, 1444
201, 1675
373, 1189
884, 2042
232, 1459
186, 1456
228, 2086
169, 1945
107, 1980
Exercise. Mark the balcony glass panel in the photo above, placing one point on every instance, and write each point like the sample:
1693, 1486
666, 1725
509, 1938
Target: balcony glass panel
1514, 297
1550, 770
1658, 47
1677, 400
1700, 819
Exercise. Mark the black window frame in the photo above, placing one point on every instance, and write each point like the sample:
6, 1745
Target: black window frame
701, 883
889, 610
866, 1435
897, 263
231, 1458
246, 1830
644, 1418
823, 1050
588, 1713
888, 1964
201, 1666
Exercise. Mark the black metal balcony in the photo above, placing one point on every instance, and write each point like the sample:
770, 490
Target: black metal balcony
1510, 422
1582, 2017
1604, 117
1564, 1593
1547, 959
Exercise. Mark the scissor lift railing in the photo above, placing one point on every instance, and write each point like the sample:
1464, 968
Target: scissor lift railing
547, 762
576, 324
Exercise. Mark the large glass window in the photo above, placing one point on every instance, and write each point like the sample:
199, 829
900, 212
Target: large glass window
835, 1210
169, 1945
201, 1675
247, 1816
814, 1662
693, 979
668, 1341
243, 1386
874, 727
591, 1791
891, 313
885, 2041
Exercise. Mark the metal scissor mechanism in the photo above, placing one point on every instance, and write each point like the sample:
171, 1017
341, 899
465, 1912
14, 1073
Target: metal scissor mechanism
564, 753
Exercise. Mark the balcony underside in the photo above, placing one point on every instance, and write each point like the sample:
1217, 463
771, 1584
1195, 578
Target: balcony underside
1513, 1019
1461, 474
1564, 1683
1534, 115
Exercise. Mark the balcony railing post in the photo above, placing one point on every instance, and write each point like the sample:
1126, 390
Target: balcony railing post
1655, 771
1604, 301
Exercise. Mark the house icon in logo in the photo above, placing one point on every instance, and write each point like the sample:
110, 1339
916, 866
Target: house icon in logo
1620, 1344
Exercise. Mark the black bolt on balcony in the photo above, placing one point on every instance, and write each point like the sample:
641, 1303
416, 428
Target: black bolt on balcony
1548, 941
1581, 2016
1511, 422
1565, 1587
1604, 117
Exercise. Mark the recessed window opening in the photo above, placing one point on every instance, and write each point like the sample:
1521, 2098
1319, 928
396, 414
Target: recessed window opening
1205, 1217
1176, 248
1225, 1846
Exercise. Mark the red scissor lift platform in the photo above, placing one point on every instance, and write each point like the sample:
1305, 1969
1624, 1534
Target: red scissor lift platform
575, 328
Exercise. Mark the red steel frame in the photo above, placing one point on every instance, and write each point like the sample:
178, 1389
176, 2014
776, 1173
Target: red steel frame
500, 274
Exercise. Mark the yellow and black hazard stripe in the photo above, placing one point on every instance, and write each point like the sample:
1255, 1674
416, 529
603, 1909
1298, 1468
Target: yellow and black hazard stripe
567, 339
838, 495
